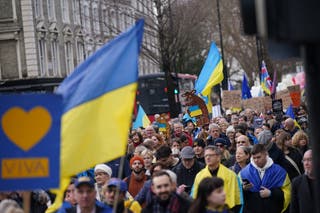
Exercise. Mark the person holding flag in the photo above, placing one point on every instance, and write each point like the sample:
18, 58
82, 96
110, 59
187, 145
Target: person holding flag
98, 98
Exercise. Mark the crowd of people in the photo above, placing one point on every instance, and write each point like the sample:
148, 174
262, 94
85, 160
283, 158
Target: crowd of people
240, 162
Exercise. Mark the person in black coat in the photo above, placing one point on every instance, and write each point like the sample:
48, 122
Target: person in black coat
302, 194
165, 198
187, 169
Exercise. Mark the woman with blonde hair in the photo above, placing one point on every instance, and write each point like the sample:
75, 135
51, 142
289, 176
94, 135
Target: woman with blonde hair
300, 141
148, 158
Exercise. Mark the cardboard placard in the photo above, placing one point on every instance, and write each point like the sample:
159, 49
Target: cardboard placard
256, 104
285, 96
295, 95
231, 99
267, 103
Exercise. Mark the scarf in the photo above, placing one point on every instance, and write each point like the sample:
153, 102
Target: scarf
172, 206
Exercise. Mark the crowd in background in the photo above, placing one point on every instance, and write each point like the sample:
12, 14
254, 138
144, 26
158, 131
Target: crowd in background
241, 162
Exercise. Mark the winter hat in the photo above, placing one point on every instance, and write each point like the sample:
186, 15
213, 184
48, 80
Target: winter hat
134, 158
104, 168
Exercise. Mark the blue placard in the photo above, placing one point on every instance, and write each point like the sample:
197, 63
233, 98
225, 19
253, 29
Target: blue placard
30, 141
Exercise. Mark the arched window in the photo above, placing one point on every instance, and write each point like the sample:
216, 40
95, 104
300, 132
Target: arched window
65, 11
68, 47
51, 10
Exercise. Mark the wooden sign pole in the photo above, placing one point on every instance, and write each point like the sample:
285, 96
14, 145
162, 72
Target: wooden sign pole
26, 201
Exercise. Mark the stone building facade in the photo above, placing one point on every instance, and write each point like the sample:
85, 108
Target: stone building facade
49, 38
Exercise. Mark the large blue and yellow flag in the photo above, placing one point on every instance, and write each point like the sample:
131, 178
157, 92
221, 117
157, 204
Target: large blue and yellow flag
98, 102
211, 73
266, 82
142, 119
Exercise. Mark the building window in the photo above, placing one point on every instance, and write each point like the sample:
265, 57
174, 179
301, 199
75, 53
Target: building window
113, 22
122, 22
9, 67
87, 25
65, 11
80, 53
38, 8
105, 21
42, 57
69, 57
76, 12
54, 65
96, 23
51, 10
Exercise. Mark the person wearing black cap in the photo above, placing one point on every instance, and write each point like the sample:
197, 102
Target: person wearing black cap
198, 148
85, 195
187, 169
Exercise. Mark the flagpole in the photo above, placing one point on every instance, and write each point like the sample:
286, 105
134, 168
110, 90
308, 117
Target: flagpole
217, 88
122, 160
225, 71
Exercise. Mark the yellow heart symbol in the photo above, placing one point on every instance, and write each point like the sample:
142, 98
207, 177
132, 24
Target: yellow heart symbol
26, 129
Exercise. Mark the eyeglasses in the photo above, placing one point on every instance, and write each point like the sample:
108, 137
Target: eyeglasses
307, 160
210, 155
241, 141
219, 145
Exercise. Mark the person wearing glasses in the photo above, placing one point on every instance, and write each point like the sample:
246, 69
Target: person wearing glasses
302, 191
214, 168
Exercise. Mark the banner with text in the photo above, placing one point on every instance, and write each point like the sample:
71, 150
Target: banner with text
30, 141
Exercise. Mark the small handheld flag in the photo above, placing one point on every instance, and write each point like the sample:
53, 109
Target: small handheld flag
266, 82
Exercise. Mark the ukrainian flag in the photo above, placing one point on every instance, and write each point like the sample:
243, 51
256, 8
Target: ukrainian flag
211, 73
142, 119
196, 111
98, 102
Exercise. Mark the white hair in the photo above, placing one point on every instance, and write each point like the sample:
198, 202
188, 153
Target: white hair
172, 175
